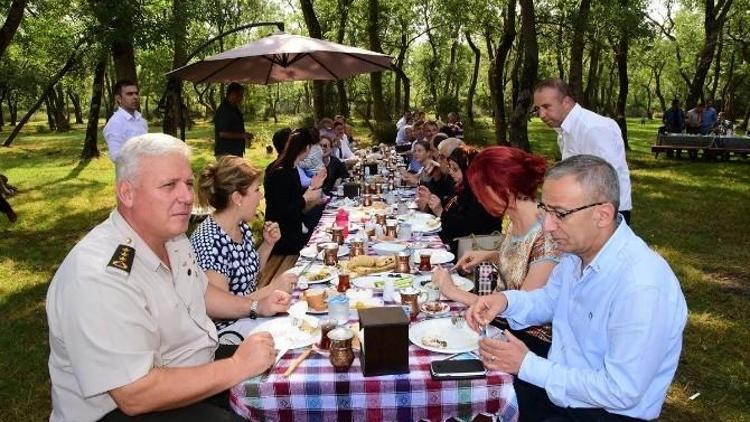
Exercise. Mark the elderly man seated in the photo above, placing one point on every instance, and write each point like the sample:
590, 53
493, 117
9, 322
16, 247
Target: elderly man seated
129, 309
616, 308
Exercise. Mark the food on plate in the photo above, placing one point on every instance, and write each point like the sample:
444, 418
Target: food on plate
307, 327
364, 264
433, 340
398, 283
434, 307
432, 223
319, 275
316, 299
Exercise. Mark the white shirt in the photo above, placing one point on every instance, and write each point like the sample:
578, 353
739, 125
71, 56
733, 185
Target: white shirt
401, 122
401, 137
109, 328
616, 329
343, 151
121, 127
585, 132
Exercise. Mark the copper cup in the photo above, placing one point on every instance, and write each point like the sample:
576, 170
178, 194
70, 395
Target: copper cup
337, 235
331, 255
380, 219
344, 284
366, 200
357, 247
410, 297
341, 351
402, 263
391, 229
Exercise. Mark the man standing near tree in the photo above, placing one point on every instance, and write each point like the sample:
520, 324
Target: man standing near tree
581, 131
229, 125
126, 122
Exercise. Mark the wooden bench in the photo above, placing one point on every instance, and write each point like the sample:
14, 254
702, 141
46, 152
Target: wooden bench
276, 264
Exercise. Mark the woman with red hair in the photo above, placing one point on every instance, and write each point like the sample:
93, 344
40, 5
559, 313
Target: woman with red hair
505, 181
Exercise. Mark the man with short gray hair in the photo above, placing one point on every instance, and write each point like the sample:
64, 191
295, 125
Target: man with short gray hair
128, 309
616, 308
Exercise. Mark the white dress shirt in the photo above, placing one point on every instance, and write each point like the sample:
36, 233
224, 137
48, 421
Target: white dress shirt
343, 151
585, 132
121, 127
616, 329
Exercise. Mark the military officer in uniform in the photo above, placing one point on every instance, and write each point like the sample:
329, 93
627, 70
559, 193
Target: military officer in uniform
129, 310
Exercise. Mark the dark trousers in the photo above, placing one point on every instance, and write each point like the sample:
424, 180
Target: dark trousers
626, 216
214, 408
5, 206
535, 406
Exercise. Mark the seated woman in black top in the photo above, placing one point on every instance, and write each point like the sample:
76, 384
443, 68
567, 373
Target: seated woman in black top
462, 215
335, 167
286, 199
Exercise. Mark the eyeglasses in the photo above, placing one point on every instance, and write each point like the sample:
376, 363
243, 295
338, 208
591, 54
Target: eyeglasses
560, 215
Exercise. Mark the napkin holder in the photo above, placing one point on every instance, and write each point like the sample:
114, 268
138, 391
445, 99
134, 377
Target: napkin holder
373, 168
351, 189
385, 346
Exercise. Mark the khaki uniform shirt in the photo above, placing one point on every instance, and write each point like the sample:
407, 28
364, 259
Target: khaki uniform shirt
109, 328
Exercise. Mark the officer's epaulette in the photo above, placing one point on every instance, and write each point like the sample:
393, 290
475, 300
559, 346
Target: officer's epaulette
122, 260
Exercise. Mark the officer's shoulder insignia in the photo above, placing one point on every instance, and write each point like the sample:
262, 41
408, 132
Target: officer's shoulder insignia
122, 260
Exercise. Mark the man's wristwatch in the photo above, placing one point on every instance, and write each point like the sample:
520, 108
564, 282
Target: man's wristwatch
253, 310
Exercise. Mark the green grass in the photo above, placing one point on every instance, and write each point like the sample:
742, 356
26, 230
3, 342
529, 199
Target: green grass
693, 213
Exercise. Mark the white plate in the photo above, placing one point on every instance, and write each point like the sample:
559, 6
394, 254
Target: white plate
368, 281
422, 222
446, 309
460, 340
311, 252
388, 248
285, 335
462, 283
437, 256
315, 268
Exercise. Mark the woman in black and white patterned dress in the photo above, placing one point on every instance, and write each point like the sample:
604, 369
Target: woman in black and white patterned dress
224, 243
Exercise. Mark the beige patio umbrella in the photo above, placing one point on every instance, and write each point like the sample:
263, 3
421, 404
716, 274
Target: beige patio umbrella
284, 57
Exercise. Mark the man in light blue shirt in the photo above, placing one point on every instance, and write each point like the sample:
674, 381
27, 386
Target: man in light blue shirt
616, 307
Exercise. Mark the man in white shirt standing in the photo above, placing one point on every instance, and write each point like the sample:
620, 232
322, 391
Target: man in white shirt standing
581, 131
126, 122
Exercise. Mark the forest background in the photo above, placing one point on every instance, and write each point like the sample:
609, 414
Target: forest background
624, 58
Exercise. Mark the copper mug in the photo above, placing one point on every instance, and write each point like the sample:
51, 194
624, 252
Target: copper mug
331, 255
410, 297
380, 219
337, 235
341, 353
402, 262
366, 200
357, 247
391, 228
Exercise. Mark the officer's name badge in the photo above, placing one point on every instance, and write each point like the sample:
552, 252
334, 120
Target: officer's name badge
122, 260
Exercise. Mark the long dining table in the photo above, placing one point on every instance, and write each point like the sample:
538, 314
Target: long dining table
315, 392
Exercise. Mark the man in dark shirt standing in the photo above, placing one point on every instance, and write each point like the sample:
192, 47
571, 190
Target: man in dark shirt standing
229, 127
674, 118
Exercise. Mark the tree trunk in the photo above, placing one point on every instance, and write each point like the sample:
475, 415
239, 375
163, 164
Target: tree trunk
744, 125
559, 52
451, 66
343, 13
12, 21
13, 110
109, 101
727, 92
717, 67
173, 109
519, 136
656, 70
313, 28
72, 59
376, 82
434, 62
90, 149
407, 86
474, 77
48, 106
75, 100
62, 117
2, 117
576, 50
498, 77
713, 23
621, 57
592, 81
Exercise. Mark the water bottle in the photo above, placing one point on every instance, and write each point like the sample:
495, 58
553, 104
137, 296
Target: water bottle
342, 220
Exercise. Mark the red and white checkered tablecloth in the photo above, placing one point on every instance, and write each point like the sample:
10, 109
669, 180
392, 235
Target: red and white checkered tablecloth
315, 392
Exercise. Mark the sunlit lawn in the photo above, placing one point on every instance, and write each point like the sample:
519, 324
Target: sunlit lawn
694, 213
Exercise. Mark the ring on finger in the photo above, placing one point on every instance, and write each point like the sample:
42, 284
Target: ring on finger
492, 358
